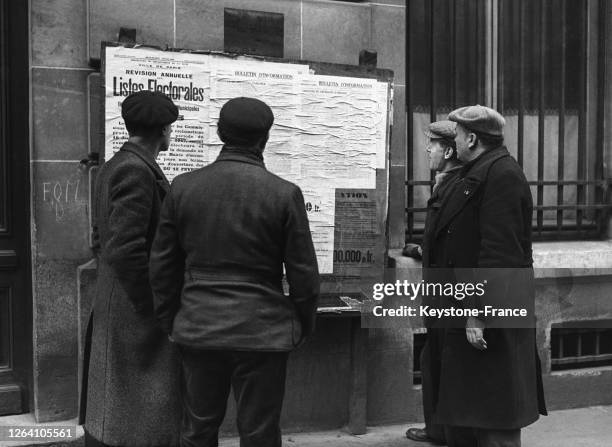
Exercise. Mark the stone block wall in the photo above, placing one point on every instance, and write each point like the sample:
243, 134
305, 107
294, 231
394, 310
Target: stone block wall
60, 190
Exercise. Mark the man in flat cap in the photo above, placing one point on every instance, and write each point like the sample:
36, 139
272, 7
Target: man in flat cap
490, 379
443, 161
225, 233
133, 379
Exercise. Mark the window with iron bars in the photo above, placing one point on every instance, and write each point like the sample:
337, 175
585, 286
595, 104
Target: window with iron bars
574, 346
541, 63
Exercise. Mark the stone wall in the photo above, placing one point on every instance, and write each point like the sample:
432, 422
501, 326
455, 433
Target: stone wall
59, 188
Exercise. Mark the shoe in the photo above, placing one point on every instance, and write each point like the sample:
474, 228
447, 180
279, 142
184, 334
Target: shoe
420, 435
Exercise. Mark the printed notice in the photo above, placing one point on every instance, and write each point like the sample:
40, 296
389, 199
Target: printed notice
382, 121
183, 77
277, 88
358, 236
320, 208
338, 129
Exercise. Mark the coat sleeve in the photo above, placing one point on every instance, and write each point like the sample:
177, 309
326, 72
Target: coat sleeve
505, 252
167, 266
301, 263
505, 220
130, 202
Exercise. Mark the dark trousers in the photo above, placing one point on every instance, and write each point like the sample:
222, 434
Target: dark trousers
430, 379
480, 437
258, 381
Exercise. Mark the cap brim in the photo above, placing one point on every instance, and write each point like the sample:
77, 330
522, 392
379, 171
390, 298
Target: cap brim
436, 136
429, 134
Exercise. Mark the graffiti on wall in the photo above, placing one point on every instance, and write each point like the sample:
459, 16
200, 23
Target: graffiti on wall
58, 195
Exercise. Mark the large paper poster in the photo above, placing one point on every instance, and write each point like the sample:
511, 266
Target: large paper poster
329, 132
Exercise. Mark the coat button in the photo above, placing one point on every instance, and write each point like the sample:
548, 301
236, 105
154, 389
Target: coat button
466, 192
449, 231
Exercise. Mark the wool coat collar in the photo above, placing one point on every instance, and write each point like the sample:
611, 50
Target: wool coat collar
250, 155
145, 156
478, 168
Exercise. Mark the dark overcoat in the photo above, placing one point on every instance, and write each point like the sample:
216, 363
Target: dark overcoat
434, 206
225, 232
133, 382
434, 203
485, 222
431, 354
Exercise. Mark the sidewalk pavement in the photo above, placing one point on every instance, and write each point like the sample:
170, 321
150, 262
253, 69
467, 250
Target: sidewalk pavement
580, 427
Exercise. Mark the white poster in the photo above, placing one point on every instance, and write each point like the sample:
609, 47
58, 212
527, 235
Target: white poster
183, 77
320, 208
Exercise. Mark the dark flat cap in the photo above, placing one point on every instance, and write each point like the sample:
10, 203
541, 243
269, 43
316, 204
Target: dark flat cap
441, 130
148, 109
245, 118
479, 119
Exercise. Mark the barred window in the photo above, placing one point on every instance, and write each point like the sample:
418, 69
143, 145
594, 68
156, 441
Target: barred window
540, 63
573, 346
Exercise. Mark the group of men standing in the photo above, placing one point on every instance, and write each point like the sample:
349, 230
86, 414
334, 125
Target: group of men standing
481, 378
190, 301
189, 298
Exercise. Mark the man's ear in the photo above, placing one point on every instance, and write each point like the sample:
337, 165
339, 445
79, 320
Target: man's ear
166, 130
472, 140
448, 153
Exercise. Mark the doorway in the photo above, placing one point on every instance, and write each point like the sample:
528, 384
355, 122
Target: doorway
15, 283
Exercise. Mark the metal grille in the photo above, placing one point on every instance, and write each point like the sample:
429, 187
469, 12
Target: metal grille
542, 64
573, 348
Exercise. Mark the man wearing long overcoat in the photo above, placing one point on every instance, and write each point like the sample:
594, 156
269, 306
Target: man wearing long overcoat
133, 381
225, 233
442, 154
490, 378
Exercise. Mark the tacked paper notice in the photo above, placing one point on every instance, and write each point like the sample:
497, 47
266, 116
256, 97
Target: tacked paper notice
320, 208
338, 120
182, 76
276, 86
